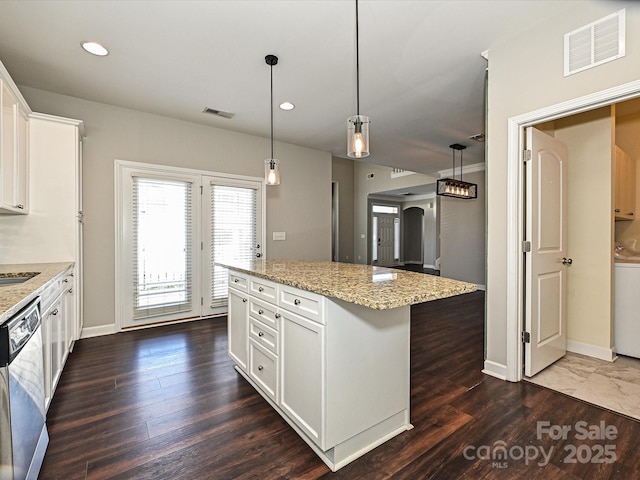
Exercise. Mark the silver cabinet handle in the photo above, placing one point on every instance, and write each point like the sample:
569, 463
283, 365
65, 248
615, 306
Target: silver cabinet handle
236, 281
296, 302
261, 334
21, 207
55, 312
567, 261
260, 312
260, 289
258, 255
278, 315
66, 280
244, 300
260, 367
617, 210
630, 213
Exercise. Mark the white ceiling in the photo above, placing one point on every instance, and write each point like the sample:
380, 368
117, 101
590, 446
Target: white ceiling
421, 72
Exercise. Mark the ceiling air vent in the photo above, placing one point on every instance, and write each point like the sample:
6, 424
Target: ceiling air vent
219, 113
595, 44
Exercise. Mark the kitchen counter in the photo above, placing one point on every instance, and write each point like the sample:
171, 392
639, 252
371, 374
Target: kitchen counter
14, 297
374, 287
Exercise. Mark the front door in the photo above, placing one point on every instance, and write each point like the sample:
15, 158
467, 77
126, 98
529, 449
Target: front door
547, 262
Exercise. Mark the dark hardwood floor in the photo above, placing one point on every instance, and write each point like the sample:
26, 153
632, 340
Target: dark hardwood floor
165, 403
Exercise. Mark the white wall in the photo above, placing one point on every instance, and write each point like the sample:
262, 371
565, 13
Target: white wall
299, 206
526, 74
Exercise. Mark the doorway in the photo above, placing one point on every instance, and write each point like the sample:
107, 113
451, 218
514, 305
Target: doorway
385, 227
516, 291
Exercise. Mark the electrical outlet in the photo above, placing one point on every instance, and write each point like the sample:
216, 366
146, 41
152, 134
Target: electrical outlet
279, 236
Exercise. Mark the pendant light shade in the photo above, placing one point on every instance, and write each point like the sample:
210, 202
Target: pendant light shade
452, 187
357, 125
271, 165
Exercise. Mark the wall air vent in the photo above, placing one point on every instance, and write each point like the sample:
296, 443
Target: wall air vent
219, 113
599, 42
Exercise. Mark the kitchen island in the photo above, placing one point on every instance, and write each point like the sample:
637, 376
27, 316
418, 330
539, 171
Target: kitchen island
327, 345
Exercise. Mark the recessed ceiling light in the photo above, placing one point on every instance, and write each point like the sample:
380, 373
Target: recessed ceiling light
95, 48
287, 106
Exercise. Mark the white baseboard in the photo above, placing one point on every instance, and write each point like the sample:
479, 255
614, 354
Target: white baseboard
88, 332
589, 350
494, 369
432, 267
481, 287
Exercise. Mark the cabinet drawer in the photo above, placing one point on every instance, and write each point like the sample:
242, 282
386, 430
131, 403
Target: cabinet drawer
305, 304
237, 281
263, 369
265, 336
265, 312
263, 289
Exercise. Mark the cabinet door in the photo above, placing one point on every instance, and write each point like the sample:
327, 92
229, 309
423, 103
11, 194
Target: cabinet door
302, 378
69, 313
7, 154
46, 357
625, 186
57, 341
237, 327
21, 183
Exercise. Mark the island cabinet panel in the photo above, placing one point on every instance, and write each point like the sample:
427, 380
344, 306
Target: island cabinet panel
263, 369
237, 326
303, 386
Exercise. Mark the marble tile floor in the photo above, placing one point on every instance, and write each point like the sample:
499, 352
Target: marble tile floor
612, 385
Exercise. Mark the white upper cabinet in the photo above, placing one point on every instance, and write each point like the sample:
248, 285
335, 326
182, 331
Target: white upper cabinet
14, 142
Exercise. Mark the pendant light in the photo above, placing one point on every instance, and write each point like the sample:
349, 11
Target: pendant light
452, 187
357, 125
271, 165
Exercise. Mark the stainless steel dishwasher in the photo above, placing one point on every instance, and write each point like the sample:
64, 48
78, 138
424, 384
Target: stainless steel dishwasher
23, 431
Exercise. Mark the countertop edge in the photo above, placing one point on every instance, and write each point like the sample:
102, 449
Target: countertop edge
39, 285
355, 299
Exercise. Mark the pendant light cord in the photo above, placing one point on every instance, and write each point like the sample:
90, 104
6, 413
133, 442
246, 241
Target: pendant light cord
357, 64
271, 66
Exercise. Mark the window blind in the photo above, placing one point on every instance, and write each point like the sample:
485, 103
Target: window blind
233, 233
162, 239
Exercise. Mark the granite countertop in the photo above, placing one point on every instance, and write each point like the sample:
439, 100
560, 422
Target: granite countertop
374, 287
14, 297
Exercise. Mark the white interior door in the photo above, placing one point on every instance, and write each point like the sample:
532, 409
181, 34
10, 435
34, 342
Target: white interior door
546, 263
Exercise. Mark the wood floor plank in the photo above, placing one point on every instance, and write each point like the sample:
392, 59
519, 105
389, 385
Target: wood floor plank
166, 403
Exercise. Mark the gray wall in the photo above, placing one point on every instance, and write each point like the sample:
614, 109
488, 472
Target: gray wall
342, 173
299, 206
430, 237
539, 52
462, 239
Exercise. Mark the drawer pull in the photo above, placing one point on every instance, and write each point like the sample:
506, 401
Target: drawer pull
630, 213
617, 210
55, 312
260, 312
260, 367
260, 289
277, 315
236, 280
21, 207
244, 300
261, 334
296, 302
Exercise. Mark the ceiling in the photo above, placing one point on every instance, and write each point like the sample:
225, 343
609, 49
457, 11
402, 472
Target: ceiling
421, 70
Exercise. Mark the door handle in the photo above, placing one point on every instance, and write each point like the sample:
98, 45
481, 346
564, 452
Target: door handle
567, 261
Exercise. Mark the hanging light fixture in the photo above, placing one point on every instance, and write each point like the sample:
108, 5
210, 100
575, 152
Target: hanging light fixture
451, 187
357, 125
271, 165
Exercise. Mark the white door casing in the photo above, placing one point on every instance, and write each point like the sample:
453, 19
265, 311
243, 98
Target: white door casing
546, 263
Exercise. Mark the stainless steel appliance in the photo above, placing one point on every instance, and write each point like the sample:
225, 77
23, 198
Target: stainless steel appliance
23, 432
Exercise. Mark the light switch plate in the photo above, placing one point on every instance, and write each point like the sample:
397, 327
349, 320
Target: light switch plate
279, 236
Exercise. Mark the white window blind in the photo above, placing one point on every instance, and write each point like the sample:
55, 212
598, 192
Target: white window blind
233, 232
162, 256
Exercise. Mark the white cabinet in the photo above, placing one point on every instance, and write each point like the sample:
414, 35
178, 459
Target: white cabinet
338, 373
237, 326
14, 141
625, 186
58, 305
302, 373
